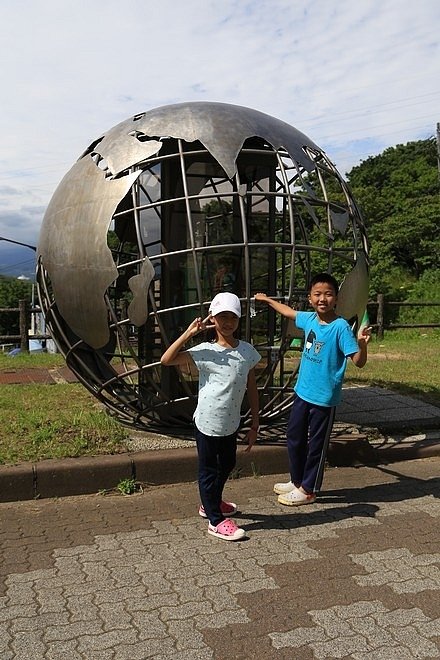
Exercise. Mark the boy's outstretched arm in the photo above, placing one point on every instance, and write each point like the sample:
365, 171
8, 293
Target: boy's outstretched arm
279, 307
360, 358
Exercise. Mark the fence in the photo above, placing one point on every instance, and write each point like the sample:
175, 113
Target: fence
380, 306
25, 311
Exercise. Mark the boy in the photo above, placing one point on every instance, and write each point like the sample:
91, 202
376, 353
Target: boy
329, 341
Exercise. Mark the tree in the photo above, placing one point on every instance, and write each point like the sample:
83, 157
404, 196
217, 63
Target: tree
424, 290
398, 193
11, 291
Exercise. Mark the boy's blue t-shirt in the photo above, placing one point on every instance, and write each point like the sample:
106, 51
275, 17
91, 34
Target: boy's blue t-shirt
323, 360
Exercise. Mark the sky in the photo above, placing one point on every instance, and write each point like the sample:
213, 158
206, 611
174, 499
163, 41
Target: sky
356, 76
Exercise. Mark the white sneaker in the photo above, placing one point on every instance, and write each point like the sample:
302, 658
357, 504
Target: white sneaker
296, 498
281, 488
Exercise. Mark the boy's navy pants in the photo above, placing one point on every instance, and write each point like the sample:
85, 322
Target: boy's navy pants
217, 456
308, 437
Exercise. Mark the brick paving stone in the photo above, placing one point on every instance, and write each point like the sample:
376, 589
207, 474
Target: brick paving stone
63, 649
355, 575
14, 376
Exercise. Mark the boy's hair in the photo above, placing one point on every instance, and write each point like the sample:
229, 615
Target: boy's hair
324, 278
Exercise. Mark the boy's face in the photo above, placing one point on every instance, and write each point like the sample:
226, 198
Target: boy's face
323, 298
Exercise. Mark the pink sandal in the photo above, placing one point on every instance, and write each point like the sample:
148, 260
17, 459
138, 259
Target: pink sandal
226, 530
226, 508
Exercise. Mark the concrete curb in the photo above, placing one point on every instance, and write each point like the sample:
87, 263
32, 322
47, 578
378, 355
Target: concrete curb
87, 475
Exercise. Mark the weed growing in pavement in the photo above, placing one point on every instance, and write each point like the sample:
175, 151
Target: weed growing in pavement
236, 473
255, 470
128, 486
125, 486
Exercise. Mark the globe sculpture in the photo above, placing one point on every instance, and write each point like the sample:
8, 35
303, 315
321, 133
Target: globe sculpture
167, 209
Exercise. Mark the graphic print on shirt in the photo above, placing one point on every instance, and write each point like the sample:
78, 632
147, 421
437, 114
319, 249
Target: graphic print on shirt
309, 341
312, 343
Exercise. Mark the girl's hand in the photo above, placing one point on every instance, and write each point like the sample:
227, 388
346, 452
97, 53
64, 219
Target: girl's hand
209, 321
262, 297
198, 325
251, 438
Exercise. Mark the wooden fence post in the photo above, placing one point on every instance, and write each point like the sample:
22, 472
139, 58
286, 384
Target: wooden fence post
380, 315
23, 306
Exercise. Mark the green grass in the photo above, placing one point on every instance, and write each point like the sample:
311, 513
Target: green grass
406, 361
57, 421
31, 360
52, 421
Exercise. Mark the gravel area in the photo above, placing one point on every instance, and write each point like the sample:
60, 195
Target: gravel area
156, 441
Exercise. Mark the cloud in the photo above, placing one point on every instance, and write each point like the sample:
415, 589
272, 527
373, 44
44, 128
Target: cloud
356, 77
8, 193
22, 224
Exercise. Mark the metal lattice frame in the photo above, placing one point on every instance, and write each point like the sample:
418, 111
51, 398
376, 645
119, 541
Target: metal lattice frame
137, 237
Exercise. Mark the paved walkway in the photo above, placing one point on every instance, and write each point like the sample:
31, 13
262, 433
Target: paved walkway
354, 575
14, 376
386, 409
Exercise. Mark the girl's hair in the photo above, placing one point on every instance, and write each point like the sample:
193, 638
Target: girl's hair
324, 278
211, 335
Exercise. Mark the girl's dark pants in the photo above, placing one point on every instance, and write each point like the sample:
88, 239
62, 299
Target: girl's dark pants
217, 456
308, 437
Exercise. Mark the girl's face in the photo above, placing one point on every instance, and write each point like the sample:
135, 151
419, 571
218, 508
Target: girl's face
323, 298
226, 323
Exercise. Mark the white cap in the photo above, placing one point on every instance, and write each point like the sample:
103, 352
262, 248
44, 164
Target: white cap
225, 302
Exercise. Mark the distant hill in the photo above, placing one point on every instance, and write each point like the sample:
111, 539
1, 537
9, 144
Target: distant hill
16, 260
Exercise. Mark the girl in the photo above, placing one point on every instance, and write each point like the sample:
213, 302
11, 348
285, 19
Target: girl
226, 370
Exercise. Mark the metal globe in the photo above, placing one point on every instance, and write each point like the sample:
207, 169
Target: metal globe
165, 210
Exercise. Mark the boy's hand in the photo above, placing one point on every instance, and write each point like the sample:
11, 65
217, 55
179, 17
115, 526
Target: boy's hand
364, 334
261, 296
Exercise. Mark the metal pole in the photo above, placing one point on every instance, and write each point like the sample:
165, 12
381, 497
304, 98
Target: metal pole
9, 240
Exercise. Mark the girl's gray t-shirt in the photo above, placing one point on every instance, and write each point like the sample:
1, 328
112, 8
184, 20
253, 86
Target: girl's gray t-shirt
223, 374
